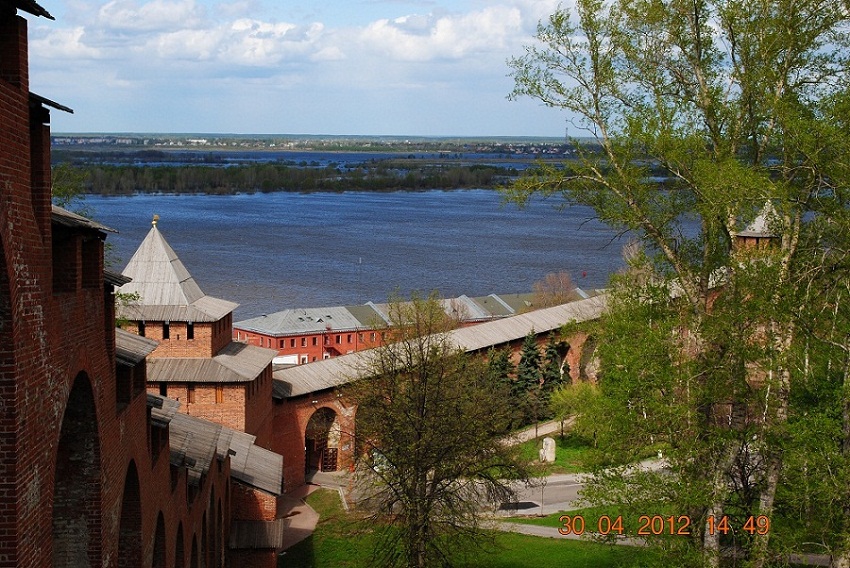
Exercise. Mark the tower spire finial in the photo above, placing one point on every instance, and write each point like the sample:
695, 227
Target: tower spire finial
155, 220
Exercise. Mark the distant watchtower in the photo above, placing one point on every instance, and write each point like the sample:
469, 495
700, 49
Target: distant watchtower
758, 235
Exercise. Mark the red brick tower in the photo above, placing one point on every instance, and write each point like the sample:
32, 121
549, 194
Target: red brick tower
87, 478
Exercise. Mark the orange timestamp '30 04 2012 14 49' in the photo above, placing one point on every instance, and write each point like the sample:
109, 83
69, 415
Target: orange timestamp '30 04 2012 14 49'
656, 525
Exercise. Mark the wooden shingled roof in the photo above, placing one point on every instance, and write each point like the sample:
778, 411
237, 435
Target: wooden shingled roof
236, 363
131, 349
30, 6
166, 289
72, 220
329, 373
196, 442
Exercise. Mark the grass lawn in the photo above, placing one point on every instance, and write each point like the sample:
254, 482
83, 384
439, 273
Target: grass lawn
572, 453
592, 515
341, 539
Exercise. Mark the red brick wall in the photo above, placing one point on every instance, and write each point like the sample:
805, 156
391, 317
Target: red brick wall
208, 337
252, 504
178, 344
57, 373
313, 346
254, 558
290, 424
258, 408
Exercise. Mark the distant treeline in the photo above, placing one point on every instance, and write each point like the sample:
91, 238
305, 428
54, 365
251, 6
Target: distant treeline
253, 178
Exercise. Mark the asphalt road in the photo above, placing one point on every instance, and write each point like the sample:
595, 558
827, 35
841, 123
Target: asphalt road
558, 493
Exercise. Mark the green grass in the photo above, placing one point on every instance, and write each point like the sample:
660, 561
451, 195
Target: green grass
342, 539
592, 516
572, 453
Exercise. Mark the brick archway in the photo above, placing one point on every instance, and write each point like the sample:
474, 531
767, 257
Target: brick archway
77, 487
179, 550
130, 527
159, 543
291, 420
321, 440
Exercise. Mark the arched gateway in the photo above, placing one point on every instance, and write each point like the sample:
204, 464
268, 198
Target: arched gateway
321, 441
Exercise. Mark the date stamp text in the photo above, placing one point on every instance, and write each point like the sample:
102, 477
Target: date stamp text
656, 525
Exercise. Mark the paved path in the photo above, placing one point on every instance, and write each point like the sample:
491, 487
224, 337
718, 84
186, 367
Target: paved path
300, 518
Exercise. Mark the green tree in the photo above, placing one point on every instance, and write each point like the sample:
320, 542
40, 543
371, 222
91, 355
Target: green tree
570, 400
704, 116
500, 368
68, 184
429, 421
528, 375
527, 391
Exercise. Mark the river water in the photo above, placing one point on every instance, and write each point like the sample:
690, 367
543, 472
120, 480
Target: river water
274, 251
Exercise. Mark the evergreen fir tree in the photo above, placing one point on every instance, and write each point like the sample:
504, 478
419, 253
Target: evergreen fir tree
553, 373
528, 373
527, 390
499, 366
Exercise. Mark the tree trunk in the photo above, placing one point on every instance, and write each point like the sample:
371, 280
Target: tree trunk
720, 490
842, 557
774, 459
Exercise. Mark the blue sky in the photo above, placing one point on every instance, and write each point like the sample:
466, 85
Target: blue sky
367, 67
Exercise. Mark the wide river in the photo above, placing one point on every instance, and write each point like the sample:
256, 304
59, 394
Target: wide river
274, 251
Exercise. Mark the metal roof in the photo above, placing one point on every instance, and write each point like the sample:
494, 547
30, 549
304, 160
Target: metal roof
195, 442
311, 320
760, 227
131, 349
236, 363
495, 305
165, 287
330, 373
301, 321
465, 308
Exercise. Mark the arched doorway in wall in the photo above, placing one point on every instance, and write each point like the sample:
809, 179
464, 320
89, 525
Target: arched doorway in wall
159, 544
77, 485
179, 552
205, 550
195, 557
219, 535
321, 440
130, 527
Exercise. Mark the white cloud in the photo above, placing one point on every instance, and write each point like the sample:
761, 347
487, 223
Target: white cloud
156, 15
140, 54
422, 38
193, 45
63, 44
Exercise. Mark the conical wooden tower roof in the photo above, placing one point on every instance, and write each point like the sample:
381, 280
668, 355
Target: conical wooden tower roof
166, 289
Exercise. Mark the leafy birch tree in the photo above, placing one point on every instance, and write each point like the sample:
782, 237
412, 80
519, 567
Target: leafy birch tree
699, 117
429, 424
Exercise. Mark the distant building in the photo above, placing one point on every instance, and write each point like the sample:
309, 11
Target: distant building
758, 234
307, 335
